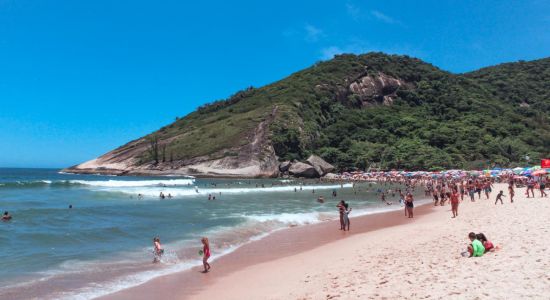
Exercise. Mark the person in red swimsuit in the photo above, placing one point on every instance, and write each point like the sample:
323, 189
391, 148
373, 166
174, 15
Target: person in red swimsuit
454, 202
206, 254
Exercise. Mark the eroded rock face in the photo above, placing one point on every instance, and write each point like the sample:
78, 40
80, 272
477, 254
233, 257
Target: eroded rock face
379, 89
284, 166
300, 169
321, 166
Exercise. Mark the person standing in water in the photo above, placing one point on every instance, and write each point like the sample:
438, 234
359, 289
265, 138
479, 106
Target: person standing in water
205, 254
157, 249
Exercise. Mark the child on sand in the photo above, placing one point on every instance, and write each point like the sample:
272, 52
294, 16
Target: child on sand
486, 243
476, 248
206, 254
499, 197
157, 250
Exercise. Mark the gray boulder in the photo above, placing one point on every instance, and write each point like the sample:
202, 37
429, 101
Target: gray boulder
284, 166
331, 176
300, 169
320, 165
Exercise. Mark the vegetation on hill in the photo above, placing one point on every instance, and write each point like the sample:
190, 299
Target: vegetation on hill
494, 116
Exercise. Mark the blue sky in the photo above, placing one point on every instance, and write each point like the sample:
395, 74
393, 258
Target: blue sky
78, 78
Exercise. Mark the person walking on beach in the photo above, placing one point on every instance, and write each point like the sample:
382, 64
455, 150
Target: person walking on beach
499, 197
402, 201
454, 203
409, 204
205, 254
511, 191
542, 186
531, 187
487, 188
471, 190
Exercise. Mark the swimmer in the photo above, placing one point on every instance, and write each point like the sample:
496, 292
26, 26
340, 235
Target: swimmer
6, 216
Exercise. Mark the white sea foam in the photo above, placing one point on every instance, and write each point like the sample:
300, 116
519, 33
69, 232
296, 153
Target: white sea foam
134, 183
291, 218
193, 191
99, 290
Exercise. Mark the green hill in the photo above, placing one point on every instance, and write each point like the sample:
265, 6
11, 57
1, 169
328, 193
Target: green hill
357, 111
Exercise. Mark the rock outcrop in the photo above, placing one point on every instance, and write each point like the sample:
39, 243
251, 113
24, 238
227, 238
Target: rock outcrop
379, 89
284, 166
321, 166
300, 169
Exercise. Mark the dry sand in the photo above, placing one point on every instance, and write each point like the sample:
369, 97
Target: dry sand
417, 260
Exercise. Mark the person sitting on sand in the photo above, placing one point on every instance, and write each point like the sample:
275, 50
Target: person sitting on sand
499, 197
476, 248
205, 254
157, 249
489, 247
6, 216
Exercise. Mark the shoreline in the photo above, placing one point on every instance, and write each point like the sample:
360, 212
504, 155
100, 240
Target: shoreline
279, 244
385, 256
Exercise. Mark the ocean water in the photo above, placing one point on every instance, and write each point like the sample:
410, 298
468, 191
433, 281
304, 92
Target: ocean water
104, 243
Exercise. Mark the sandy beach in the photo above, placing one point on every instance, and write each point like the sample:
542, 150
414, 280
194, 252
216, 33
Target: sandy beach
387, 256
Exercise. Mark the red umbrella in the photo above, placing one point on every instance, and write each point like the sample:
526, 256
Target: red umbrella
539, 172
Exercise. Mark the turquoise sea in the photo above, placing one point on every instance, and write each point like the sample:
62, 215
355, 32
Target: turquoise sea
104, 242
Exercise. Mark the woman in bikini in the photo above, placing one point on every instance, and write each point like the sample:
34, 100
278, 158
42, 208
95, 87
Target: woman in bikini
205, 254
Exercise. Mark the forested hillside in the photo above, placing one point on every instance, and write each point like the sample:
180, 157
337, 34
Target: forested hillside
361, 111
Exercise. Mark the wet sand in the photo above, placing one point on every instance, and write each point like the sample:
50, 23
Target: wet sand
280, 244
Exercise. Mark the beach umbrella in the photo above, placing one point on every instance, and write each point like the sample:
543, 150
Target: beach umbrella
539, 172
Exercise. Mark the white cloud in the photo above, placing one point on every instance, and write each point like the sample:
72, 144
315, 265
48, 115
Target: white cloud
383, 17
353, 11
313, 34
